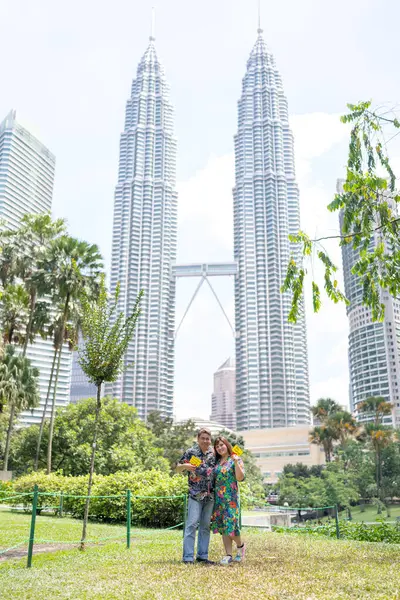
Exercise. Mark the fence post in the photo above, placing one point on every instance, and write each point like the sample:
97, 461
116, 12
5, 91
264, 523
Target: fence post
128, 518
185, 506
337, 522
60, 508
33, 522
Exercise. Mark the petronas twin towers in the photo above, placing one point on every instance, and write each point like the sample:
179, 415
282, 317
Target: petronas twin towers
272, 387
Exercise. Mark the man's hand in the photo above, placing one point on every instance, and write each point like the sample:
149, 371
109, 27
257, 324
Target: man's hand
185, 467
191, 468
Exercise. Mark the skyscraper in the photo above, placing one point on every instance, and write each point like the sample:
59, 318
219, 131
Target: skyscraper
26, 186
223, 403
374, 347
272, 387
144, 238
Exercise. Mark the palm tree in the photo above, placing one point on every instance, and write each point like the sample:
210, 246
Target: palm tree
71, 267
54, 331
376, 407
33, 240
324, 435
14, 313
8, 256
18, 388
345, 425
325, 408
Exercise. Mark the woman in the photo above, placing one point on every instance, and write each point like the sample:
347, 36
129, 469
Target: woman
225, 519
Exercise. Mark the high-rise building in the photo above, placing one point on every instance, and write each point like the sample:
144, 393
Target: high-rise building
223, 399
26, 186
272, 387
374, 347
144, 239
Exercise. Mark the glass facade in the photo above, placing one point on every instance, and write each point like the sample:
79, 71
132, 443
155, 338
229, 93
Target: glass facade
26, 186
272, 387
144, 239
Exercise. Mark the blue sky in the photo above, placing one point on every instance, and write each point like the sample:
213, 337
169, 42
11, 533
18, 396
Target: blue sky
67, 69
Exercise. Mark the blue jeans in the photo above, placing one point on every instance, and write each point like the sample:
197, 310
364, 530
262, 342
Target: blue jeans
199, 514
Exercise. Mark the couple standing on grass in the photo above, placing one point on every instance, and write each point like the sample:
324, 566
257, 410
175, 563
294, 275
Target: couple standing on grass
213, 497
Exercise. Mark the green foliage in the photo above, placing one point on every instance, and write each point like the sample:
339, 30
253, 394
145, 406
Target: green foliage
383, 532
172, 438
18, 388
149, 512
368, 206
106, 334
329, 488
124, 443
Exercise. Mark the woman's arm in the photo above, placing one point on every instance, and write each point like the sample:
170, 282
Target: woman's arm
239, 467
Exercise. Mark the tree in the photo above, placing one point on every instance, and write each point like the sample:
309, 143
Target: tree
368, 207
55, 330
18, 388
379, 437
376, 408
325, 408
324, 435
14, 309
337, 425
172, 438
69, 268
124, 443
33, 239
106, 334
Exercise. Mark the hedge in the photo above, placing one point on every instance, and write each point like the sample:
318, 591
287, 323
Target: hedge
382, 532
149, 512
145, 511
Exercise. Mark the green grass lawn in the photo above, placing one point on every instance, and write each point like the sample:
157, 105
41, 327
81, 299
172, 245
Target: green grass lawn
277, 567
370, 513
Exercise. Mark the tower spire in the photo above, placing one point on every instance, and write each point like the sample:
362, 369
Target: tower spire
153, 25
259, 30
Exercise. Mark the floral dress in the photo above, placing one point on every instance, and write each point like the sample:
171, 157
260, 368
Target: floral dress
225, 518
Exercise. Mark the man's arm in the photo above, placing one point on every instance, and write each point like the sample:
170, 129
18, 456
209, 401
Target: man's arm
181, 467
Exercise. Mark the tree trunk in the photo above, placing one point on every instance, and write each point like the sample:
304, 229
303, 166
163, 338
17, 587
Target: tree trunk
44, 412
378, 473
52, 416
29, 326
8, 439
53, 405
89, 491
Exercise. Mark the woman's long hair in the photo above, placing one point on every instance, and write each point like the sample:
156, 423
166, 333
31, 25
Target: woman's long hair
222, 439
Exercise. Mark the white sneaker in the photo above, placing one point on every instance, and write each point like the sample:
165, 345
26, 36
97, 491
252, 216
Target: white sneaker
240, 554
226, 560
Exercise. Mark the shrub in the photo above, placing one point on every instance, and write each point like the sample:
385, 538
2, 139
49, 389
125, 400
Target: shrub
6, 489
382, 532
151, 512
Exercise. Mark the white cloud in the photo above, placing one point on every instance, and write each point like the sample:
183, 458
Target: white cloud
206, 230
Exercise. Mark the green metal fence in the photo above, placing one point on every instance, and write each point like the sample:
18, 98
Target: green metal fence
59, 498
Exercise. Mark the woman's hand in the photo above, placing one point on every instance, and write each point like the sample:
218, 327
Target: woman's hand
235, 458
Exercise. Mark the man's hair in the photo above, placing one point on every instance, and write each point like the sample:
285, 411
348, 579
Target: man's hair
203, 430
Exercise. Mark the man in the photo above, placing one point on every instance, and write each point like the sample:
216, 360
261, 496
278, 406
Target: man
201, 497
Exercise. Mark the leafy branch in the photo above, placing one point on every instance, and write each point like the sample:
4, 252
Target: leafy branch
369, 221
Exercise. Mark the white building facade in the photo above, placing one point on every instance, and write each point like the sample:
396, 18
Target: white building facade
144, 239
272, 384
26, 186
374, 347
